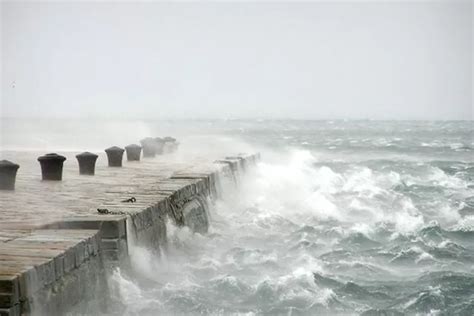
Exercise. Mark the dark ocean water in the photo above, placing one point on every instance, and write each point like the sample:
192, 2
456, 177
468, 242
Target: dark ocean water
339, 218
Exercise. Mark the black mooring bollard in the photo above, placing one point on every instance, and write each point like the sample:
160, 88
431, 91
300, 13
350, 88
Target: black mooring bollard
159, 143
52, 166
149, 147
114, 155
86, 162
170, 144
8, 171
169, 139
133, 152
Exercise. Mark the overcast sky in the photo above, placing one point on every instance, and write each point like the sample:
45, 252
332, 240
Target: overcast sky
312, 60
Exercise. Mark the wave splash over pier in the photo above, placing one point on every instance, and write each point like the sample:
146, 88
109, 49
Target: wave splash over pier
386, 230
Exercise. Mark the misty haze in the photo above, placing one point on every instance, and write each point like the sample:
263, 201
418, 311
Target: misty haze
236, 158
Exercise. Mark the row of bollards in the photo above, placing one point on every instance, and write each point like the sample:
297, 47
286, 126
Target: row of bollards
52, 164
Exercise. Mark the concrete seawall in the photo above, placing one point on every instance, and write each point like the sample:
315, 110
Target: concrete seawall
58, 240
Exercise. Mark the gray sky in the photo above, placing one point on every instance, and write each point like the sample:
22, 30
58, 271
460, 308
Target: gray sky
312, 60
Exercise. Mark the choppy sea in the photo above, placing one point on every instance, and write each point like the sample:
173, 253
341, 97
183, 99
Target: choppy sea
338, 218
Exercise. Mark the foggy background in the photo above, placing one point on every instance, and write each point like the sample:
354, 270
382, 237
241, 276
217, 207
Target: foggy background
311, 60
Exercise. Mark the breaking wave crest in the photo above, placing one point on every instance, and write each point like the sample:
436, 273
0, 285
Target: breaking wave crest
311, 234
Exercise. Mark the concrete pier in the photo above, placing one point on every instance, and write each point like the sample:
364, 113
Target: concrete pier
58, 239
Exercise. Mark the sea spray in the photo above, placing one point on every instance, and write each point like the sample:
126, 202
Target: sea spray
353, 222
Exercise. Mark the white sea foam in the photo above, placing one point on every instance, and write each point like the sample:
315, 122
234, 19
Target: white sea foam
300, 212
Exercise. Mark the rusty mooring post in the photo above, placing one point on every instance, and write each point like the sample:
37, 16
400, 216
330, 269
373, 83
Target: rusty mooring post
87, 163
169, 139
171, 145
52, 166
8, 171
133, 152
159, 143
114, 155
149, 147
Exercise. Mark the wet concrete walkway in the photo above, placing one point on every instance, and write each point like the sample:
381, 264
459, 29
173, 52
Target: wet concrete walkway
54, 244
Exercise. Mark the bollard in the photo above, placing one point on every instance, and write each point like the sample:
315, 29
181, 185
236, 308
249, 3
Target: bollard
86, 162
169, 139
114, 155
159, 143
8, 171
171, 145
149, 148
52, 166
133, 152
